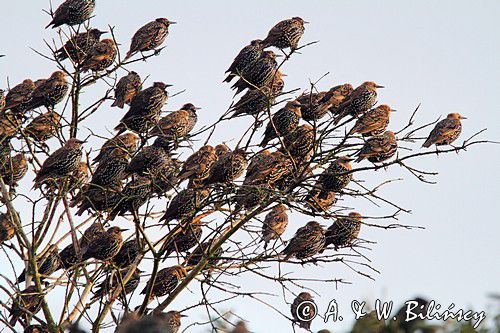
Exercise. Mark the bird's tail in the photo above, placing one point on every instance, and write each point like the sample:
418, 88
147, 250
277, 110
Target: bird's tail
120, 104
129, 54
229, 78
427, 143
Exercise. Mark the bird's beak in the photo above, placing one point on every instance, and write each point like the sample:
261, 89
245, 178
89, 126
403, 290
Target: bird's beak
306, 22
122, 230
461, 117
168, 85
392, 110
278, 55
182, 315
379, 86
197, 108
81, 141
172, 22
103, 32
348, 158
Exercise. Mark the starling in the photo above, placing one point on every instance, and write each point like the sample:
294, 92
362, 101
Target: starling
14, 170
145, 109
446, 131
316, 105
277, 83
337, 176
379, 148
188, 237
9, 125
2, 99
228, 167
203, 250
260, 74
91, 233
275, 224
7, 229
18, 96
126, 88
111, 170
106, 246
254, 102
134, 195
47, 264
320, 200
338, 94
97, 198
373, 122
49, 92
240, 327
247, 57
80, 46
286, 33
128, 142
258, 162
249, 196
101, 56
72, 12
43, 127
271, 172
343, 231
286, 120
166, 281
168, 322
300, 143
307, 241
36, 328
27, 303
61, 163
149, 37
80, 176
303, 310
198, 166
165, 179
127, 255
177, 124
68, 256
185, 204
114, 280
359, 101
151, 159
221, 149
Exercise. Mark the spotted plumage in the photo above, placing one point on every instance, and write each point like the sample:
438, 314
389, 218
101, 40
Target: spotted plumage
177, 124
228, 167
134, 195
114, 280
271, 170
254, 102
170, 321
106, 246
358, 102
14, 169
303, 310
7, 229
320, 200
165, 179
49, 92
80, 176
260, 74
378, 148
46, 264
128, 142
285, 34
97, 198
2, 99
300, 143
343, 231
247, 57
127, 255
79, 47
185, 204
286, 120
68, 256
111, 170
36, 328
93, 232
101, 56
275, 224
198, 166
43, 127
151, 159
126, 88
373, 122
307, 242
337, 176
29, 299
166, 281
203, 250
10, 124
446, 131
188, 237
18, 96
72, 12
316, 105
149, 37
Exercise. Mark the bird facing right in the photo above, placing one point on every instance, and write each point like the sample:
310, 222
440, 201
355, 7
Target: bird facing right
446, 131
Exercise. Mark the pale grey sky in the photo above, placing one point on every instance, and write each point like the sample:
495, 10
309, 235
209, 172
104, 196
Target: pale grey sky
443, 54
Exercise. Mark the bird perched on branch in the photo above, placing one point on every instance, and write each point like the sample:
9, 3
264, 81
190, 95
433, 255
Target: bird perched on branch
275, 224
198, 166
111, 170
185, 204
151, 159
374, 122
320, 200
285, 121
337, 176
68, 257
286, 33
126, 88
358, 102
47, 264
112, 282
254, 102
10, 124
133, 196
101, 56
2, 99
228, 167
343, 231
61, 163
300, 143
48, 92
43, 127
72, 12
149, 37
93, 232
105, 246
169, 322
315, 106
80, 176
18, 96
177, 124
272, 171
7, 229
260, 74
308, 241
189, 236
128, 142
127, 255
247, 57
303, 309
97, 198
446, 131
166, 281
80, 46
145, 109
379, 148
36, 328
14, 169
29, 300
203, 250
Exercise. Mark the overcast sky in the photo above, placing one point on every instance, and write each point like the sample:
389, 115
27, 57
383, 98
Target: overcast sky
442, 54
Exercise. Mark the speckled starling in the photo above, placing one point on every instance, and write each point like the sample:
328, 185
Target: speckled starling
149, 37
151, 159
106, 246
177, 124
166, 281
316, 105
111, 170
188, 237
373, 122
127, 255
97, 198
275, 224
303, 310
254, 102
72, 12
49, 92
29, 299
286, 120
359, 101
134, 195
286, 33
61, 163
343, 231
14, 169
101, 56
10, 125
221, 149
379, 148
7, 229
185, 204
80, 176
165, 179
336, 177
145, 109
320, 200
300, 143
68, 256
2, 99
80, 46
446, 131
126, 88
114, 280
203, 250
47, 264
258, 162
198, 166
240, 327
128, 142
43, 127
271, 172
168, 322
260, 74
247, 57
18, 96
93, 232
228, 167
36, 328
308, 241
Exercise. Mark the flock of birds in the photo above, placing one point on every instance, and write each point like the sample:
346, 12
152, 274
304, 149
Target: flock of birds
127, 172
